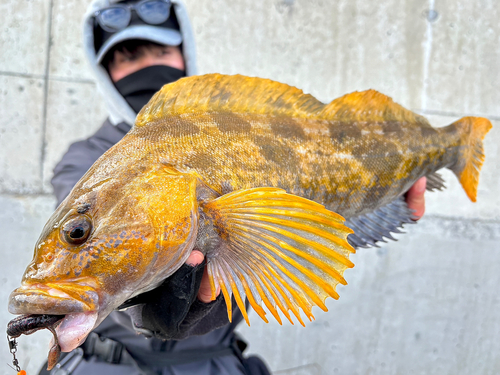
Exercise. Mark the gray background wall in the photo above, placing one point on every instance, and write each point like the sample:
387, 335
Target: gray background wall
427, 304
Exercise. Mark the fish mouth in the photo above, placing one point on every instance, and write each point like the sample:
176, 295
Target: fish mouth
55, 298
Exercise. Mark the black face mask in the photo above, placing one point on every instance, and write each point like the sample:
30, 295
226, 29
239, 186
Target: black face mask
137, 88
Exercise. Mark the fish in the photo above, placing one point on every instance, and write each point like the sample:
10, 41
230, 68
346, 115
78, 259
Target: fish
274, 187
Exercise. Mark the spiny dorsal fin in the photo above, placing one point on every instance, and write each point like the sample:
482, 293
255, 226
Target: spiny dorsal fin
238, 94
370, 106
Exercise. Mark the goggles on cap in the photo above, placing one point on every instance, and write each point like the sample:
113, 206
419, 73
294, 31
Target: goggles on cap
117, 17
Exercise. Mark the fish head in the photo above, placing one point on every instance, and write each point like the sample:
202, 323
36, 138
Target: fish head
108, 242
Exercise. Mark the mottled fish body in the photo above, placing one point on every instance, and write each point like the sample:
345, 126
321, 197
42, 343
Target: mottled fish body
350, 167
255, 174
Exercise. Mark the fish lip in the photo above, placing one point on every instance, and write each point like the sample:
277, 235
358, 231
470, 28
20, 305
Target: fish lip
55, 298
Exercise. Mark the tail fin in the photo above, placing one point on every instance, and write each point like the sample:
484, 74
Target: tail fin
471, 158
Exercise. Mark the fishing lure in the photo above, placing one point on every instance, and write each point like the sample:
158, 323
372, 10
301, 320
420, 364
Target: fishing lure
13, 350
28, 324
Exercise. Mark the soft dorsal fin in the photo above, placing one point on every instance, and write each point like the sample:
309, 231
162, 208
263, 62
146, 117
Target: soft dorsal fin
238, 94
371, 106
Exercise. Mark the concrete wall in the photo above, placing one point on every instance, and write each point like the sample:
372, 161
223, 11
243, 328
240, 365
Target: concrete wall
427, 304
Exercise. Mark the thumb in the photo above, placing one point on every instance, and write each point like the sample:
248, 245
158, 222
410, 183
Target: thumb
196, 257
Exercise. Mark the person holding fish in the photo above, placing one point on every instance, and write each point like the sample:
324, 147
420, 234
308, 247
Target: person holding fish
134, 48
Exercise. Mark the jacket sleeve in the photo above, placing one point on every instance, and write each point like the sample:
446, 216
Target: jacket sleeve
200, 318
80, 157
73, 165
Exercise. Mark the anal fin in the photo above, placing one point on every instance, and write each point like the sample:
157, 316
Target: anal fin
281, 251
435, 182
375, 226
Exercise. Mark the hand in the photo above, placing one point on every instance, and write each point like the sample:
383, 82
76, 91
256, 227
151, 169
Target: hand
415, 198
171, 310
205, 291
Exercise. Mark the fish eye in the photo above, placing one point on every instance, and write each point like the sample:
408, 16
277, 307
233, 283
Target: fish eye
76, 230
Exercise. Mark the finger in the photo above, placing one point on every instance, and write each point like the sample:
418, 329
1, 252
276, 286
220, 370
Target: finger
205, 291
195, 258
415, 198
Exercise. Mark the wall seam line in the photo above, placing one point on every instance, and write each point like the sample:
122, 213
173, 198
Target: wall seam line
50, 78
21, 75
427, 56
46, 94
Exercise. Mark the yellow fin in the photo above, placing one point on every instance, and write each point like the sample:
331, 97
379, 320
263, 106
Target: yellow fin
471, 157
369, 105
222, 93
278, 249
241, 94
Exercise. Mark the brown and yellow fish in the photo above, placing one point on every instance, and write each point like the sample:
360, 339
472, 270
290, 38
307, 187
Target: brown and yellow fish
255, 174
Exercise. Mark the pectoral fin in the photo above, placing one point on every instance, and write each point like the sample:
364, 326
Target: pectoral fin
278, 249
